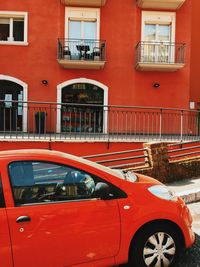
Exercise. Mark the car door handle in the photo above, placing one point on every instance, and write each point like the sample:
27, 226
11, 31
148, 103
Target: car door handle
23, 219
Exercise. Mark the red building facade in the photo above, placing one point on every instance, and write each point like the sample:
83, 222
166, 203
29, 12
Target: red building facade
96, 52
195, 57
120, 26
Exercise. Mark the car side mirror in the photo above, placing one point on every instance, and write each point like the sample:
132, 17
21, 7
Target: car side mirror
102, 191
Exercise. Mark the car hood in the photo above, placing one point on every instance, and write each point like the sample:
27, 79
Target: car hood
135, 177
147, 180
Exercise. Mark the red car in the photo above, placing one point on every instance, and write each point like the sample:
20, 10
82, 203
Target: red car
58, 210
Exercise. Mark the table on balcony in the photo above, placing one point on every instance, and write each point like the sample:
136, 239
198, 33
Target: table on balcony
83, 49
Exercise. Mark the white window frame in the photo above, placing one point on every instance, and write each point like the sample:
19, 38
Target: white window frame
82, 80
162, 18
77, 13
11, 15
157, 17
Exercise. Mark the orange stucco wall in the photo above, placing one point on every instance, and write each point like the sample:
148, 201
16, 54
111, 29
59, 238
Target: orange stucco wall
121, 28
195, 54
75, 148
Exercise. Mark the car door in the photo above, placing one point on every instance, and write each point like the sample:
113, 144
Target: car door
5, 251
55, 220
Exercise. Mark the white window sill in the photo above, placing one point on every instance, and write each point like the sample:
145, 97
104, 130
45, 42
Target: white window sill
13, 43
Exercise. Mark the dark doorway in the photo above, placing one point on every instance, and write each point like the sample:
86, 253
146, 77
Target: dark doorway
86, 115
11, 112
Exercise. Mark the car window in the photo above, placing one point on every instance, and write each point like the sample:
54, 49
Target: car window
37, 181
2, 201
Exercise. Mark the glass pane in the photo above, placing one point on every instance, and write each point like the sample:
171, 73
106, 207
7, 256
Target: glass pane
18, 30
164, 33
83, 93
150, 32
74, 33
21, 173
4, 29
75, 29
36, 182
148, 48
163, 53
90, 34
82, 118
89, 30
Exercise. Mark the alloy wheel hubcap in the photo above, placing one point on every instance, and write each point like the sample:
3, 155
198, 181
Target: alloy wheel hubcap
159, 250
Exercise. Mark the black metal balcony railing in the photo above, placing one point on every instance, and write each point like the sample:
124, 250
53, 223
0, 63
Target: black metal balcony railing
81, 49
65, 121
160, 52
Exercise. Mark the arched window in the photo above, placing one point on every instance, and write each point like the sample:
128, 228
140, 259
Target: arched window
11, 112
82, 108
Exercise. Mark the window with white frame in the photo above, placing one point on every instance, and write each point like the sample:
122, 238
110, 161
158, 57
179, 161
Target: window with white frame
82, 27
82, 23
13, 27
158, 36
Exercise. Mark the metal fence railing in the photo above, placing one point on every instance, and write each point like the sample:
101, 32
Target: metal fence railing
160, 52
184, 150
46, 120
81, 49
137, 158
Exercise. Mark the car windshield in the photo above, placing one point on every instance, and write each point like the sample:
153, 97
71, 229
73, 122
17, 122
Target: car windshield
129, 176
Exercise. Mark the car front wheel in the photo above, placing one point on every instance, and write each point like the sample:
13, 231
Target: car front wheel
155, 246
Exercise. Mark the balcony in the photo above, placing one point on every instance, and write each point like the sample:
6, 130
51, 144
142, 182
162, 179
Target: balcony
160, 56
160, 4
81, 54
92, 3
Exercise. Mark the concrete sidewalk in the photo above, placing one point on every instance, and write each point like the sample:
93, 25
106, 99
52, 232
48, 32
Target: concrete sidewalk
188, 189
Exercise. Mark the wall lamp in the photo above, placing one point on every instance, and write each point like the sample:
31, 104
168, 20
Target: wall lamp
45, 82
156, 85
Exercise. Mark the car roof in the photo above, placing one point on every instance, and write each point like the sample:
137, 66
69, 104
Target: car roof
52, 154
37, 152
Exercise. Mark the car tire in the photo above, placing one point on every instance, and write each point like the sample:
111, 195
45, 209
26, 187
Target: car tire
156, 245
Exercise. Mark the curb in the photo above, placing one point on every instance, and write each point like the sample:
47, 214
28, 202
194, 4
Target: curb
190, 196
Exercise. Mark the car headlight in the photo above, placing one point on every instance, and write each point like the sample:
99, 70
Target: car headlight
162, 192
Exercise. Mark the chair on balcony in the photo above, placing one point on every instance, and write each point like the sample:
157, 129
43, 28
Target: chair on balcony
66, 53
87, 56
96, 53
